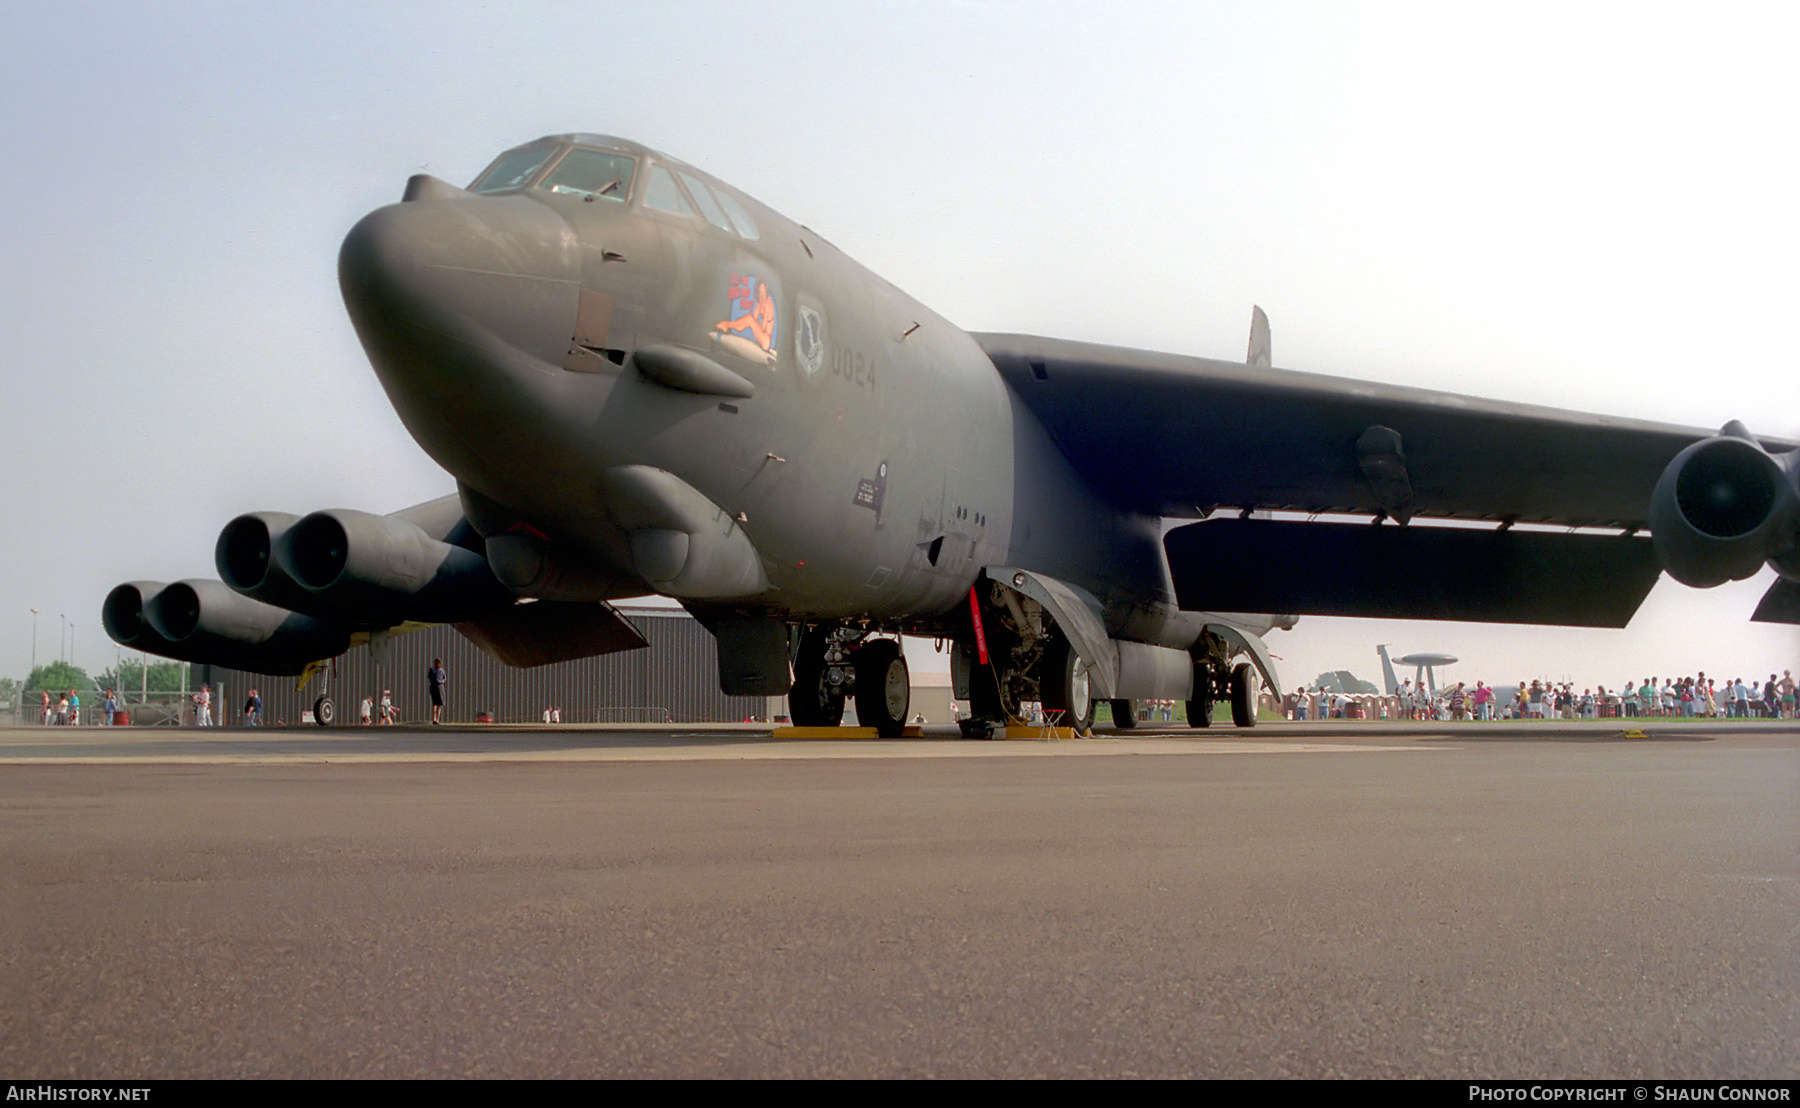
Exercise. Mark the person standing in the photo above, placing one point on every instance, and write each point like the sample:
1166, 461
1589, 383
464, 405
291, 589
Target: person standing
253, 710
74, 708
110, 709
203, 707
435, 677
48, 712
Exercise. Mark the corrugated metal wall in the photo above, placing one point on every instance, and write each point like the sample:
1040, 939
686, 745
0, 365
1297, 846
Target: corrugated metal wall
678, 675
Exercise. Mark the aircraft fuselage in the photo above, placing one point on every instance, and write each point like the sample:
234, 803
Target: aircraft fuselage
547, 345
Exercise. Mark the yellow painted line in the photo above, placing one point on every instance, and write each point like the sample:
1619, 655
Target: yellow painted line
840, 733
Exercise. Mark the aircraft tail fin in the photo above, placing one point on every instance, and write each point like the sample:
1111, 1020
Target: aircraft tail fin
1259, 354
1387, 671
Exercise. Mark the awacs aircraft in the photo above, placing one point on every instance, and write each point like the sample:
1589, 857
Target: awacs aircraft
1424, 672
645, 382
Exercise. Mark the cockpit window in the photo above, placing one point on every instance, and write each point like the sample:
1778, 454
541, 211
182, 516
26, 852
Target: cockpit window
703, 196
664, 194
512, 169
745, 225
592, 173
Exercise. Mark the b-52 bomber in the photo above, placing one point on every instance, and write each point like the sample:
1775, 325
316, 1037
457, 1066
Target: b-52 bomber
646, 382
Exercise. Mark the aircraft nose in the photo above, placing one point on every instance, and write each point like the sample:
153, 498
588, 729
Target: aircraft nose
467, 268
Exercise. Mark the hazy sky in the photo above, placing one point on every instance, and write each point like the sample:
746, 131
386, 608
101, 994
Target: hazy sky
1586, 206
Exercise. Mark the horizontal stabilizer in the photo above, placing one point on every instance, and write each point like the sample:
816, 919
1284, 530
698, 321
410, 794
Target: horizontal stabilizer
549, 631
1781, 604
1336, 569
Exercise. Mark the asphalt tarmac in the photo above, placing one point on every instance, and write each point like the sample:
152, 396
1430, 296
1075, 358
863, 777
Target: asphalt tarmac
1325, 900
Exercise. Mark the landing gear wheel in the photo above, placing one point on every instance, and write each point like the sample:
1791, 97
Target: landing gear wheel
1124, 713
1065, 686
324, 711
883, 687
1200, 708
814, 700
1243, 695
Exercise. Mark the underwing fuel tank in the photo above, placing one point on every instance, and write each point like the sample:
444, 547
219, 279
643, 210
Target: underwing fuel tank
1724, 507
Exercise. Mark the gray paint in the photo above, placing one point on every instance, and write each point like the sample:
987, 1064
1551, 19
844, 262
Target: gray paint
643, 386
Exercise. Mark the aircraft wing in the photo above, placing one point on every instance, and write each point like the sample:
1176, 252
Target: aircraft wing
1179, 436
1186, 437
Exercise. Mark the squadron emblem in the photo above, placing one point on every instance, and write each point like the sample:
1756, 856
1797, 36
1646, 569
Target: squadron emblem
809, 340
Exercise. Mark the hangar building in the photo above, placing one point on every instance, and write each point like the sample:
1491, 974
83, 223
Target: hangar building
676, 679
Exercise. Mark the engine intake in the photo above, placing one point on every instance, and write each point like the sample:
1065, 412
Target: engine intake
1724, 507
384, 568
245, 558
123, 617
204, 621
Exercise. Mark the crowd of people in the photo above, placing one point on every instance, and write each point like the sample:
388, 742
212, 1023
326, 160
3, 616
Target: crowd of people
1695, 697
66, 711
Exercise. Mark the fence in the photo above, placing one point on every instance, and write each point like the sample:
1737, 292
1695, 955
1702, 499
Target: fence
145, 709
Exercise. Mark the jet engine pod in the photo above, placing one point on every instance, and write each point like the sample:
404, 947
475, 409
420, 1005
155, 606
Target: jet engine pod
383, 568
123, 617
245, 558
204, 621
1723, 507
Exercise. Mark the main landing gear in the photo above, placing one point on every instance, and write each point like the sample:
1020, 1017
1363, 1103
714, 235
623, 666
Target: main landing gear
1028, 660
1213, 683
835, 662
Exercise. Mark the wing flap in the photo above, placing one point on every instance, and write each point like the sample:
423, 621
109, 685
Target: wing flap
1338, 569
